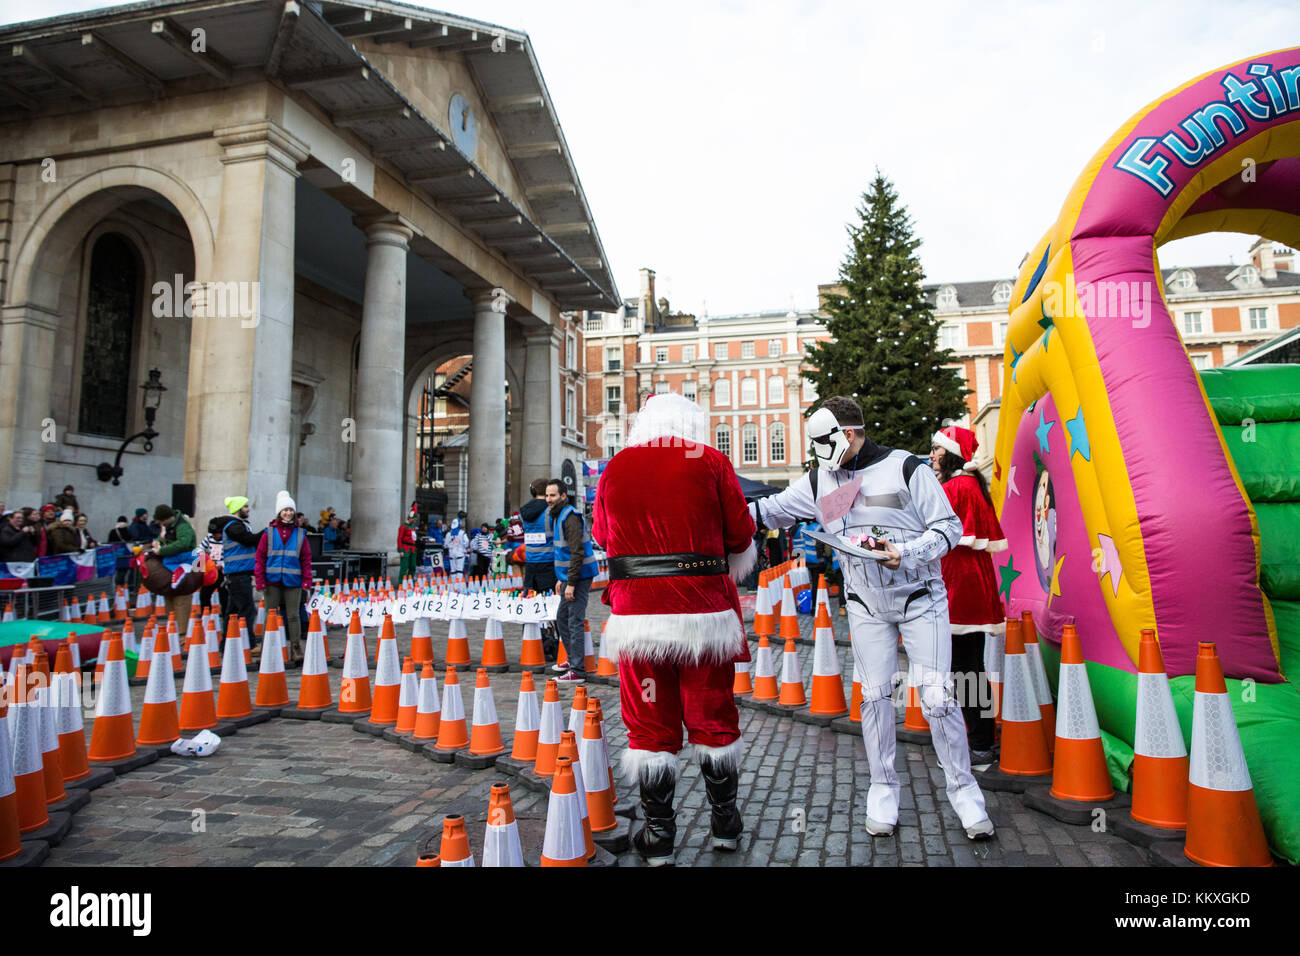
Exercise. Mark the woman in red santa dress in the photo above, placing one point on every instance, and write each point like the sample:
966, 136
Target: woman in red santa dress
974, 608
670, 514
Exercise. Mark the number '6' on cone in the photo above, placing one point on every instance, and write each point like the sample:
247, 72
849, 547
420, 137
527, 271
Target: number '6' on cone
1079, 771
1024, 748
1160, 764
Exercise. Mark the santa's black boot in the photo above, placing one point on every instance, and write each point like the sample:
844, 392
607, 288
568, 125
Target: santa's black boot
722, 786
654, 841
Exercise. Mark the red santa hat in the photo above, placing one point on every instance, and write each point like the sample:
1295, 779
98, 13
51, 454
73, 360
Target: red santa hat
960, 441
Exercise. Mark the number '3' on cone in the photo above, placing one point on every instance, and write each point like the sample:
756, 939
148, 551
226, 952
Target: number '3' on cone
1079, 771
565, 843
452, 732
1223, 826
527, 720
1160, 764
501, 843
1024, 748
454, 850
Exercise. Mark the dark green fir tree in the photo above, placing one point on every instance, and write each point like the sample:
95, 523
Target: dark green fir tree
884, 341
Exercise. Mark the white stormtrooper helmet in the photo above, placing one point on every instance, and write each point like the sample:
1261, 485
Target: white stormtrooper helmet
828, 439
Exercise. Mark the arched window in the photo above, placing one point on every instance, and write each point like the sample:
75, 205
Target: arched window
748, 391
946, 301
722, 392
775, 390
112, 305
1184, 280
777, 438
1002, 293
722, 439
749, 444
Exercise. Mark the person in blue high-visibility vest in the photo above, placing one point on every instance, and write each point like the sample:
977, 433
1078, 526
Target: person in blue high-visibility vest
807, 546
539, 556
238, 555
575, 566
282, 569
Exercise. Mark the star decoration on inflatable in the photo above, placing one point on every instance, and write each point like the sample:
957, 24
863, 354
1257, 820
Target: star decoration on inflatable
1041, 431
1011, 480
1079, 435
1047, 325
1015, 360
1009, 575
1056, 577
1109, 562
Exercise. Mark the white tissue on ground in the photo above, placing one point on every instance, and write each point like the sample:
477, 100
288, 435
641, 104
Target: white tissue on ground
202, 744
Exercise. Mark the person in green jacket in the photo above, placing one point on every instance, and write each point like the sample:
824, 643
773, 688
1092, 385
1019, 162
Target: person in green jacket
176, 547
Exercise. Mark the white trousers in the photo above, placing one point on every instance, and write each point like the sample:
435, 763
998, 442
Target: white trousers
928, 641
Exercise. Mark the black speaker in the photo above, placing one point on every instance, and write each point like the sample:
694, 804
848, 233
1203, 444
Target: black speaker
183, 499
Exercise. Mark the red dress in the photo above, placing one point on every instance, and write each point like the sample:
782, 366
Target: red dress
973, 600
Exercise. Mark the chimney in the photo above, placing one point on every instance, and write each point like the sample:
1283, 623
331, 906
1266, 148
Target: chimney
1283, 259
648, 283
1261, 254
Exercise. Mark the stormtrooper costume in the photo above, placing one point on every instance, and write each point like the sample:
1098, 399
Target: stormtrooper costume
457, 548
901, 500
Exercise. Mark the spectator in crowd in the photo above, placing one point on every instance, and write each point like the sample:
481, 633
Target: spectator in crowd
575, 566
18, 538
82, 527
238, 555
301, 521
121, 534
62, 535
437, 531
325, 515
32, 519
406, 546
211, 547
142, 530
175, 547
282, 569
515, 531
49, 516
457, 547
482, 547
330, 534
67, 499
345, 534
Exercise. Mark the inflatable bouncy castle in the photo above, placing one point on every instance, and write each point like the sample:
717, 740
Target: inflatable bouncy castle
1134, 492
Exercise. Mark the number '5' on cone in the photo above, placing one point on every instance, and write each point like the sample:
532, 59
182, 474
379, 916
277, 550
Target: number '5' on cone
1223, 826
1160, 765
1079, 771
1024, 748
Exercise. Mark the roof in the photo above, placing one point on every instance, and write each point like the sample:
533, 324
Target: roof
1283, 349
141, 51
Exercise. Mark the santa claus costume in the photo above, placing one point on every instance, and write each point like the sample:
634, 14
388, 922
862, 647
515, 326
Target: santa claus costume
974, 607
670, 514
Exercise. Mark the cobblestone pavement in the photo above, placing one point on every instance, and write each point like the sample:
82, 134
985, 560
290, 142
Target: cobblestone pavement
290, 792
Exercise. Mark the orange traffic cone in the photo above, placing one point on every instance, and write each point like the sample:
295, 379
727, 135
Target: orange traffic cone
565, 842
530, 652
1042, 690
742, 684
233, 698
71, 731
588, 652
314, 683
421, 642
578, 710
789, 613
1223, 826
485, 737
855, 697
827, 682
51, 766
28, 767
112, 735
272, 688
407, 698
1024, 748
527, 721
428, 859
354, 692
388, 677
792, 692
455, 842
452, 733
764, 672
569, 748
604, 666
764, 618
159, 723
494, 645
594, 704
1079, 765
10, 836
144, 662
596, 779
259, 623
211, 621
428, 708
1160, 764
457, 645
501, 845
548, 738
198, 704
913, 716
561, 655
994, 649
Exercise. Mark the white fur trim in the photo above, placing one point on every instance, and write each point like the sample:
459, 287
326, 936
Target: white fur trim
743, 562
669, 416
685, 638
999, 628
970, 466
996, 546
982, 544
724, 758
636, 765
946, 443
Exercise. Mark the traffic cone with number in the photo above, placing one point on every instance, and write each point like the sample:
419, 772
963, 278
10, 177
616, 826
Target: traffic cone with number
421, 642
1223, 826
827, 682
455, 842
388, 677
112, 735
198, 706
565, 842
407, 698
578, 710
1160, 763
501, 843
485, 735
569, 748
742, 684
272, 689
452, 733
494, 645
1042, 690
604, 666
233, 699
765, 687
68, 723
457, 643
548, 738
792, 692
527, 721
159, 722
428, 708
354, 692
28, 767
314, 684
1024, 748
1079, 769
530, 652
595, 776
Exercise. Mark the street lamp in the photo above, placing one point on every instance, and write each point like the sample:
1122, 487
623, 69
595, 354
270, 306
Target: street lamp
153, 390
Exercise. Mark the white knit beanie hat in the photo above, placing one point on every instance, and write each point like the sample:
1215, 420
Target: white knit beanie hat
282, 501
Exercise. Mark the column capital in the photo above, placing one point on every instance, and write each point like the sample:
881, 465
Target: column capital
266, 140
490, 300
391, 229
543, 336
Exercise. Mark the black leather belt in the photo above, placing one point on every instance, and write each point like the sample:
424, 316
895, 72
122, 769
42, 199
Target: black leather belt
665, 565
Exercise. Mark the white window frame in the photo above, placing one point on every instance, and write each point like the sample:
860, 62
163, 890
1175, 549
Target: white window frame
946, 299
749, 391
1201, 360
1266, 320
775, 391
570, 406
688, 353
776, 442
722, 439
808, 393
662, 388
747, 431
571, 350
661, 354
747, 349
774, 347
614, 364
689, 389
1002, 293
1000, 333
957, 330
613, 399
720, 351
722, 392
1187, 322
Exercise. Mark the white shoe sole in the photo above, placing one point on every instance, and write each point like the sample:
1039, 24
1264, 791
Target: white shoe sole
972, 833
658, 860
879, 829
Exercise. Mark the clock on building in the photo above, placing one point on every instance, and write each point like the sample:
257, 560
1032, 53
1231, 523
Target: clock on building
464, 125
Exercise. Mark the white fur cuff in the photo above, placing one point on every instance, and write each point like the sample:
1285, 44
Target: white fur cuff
686, 638
726, 758
743, 562
638, 765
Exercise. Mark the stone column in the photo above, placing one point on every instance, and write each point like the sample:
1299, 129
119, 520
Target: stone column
26, 371
541, 437
377, 505
487, 411
238, 411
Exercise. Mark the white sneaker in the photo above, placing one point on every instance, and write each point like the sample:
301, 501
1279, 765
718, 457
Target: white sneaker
983, 830
560, 668
876, 828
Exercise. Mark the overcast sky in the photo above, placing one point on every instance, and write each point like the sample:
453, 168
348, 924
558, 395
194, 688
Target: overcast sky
726, 144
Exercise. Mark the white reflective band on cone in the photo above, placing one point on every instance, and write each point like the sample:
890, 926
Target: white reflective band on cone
526, 715
1217, 761
485, 708
552, 727
453, 708
197, 677
501, 845
272, 658
564, 837
114, 696
1156, 731
68, 702
791, 673
388, 670
592, 753
468, 861
24, 726
354, 659
7, 787
313, 663
1076, 718
1018, 700
826, 663
161, 687
406, 696
428, 702
995, 649
763, 663
232, 664
1038, 674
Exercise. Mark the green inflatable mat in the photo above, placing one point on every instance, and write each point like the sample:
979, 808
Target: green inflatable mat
1267, 457
1262, 393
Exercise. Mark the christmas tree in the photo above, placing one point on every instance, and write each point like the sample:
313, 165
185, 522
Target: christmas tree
883, 348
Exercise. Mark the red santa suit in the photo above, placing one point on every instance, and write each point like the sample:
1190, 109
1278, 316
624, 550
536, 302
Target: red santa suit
968, 575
